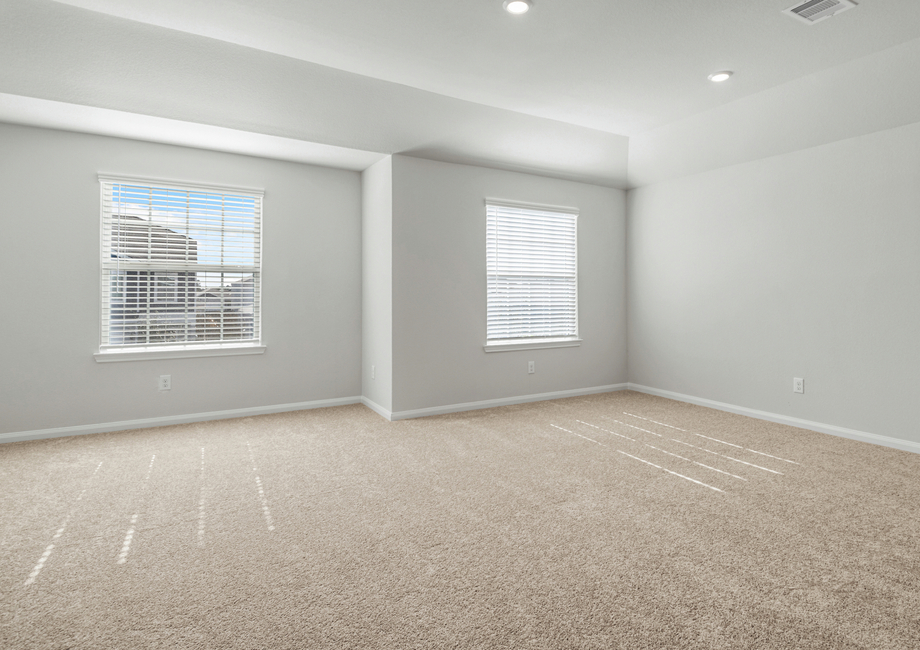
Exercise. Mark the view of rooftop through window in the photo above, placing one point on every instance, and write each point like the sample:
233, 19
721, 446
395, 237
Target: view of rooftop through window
217, 229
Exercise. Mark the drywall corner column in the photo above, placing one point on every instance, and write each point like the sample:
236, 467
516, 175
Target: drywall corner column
377, 283
439, 287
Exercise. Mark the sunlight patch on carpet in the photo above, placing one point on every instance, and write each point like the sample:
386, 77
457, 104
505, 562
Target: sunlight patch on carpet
201, 503
129, 536
264, 501
670, 472
730, 444
60, 531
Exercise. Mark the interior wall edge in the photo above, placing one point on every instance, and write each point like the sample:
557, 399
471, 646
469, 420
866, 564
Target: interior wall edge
820, 427
166, 420
146, 423
376, 408
505, 401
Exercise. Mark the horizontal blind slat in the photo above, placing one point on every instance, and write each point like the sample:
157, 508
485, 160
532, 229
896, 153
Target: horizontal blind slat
180, 266
531, 268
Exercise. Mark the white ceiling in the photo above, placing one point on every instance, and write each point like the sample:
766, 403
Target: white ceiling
622, 66
120, 124
458, 73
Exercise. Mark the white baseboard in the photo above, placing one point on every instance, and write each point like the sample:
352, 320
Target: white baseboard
60, 432
173, 419
376, 408
505, 401
820, 427
853, 434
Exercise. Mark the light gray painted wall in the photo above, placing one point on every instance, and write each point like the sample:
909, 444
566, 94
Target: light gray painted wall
49, 253
377, 282
805, 264
439, 284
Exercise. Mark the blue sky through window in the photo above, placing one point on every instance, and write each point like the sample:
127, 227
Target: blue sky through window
225, 227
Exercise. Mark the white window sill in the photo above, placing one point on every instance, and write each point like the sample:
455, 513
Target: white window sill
531, 344
128, 354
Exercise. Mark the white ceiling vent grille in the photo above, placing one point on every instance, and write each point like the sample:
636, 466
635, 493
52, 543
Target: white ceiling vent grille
814, 11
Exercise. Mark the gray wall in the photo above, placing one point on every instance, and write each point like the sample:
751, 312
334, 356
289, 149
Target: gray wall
377, 282
49, 282
805, 264
439, 285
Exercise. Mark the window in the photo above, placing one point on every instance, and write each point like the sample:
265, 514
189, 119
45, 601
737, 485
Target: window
532, 285
180, 270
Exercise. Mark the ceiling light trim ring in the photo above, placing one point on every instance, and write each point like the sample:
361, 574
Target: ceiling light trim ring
517, 7
720, 76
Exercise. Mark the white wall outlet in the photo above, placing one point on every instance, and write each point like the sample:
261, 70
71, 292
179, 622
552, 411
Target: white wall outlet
165, 382
373, 372
530, 369
798, 385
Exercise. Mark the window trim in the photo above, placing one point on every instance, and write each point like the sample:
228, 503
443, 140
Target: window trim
106, 354
505, 345
177, 352
510, 345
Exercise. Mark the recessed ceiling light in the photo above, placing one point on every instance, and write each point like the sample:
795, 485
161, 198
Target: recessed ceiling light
517, 6
722, 75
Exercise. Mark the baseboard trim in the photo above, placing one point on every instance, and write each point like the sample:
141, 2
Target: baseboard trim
853, 434
820, 427
146, 423
376, 408
505, 401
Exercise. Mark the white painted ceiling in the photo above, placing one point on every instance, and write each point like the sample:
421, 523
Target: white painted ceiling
622, 66
592, 70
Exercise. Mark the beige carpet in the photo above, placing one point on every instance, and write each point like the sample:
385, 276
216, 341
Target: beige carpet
610, 521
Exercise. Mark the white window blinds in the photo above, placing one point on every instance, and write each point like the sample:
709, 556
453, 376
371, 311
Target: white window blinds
180, 265
531, 259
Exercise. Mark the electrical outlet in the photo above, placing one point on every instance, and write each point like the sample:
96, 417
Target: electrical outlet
530, 369
798, 385
373, 372
165, 382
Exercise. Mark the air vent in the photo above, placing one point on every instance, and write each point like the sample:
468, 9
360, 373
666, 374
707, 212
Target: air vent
814, 11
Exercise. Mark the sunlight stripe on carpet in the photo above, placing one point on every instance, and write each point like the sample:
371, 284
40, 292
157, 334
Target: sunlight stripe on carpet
201, 504
262, 498
638, 428
60, 531
730, 444
129, 536
696, 463
663, 451
743, 462
607, 431
580, 436
670, 472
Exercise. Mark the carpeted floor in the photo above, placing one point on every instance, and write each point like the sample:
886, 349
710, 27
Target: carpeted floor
610, 521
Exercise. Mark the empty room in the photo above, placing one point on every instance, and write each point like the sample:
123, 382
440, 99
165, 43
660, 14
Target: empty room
481, 324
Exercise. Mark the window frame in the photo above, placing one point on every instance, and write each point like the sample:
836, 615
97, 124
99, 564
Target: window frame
106, 353
524, 343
